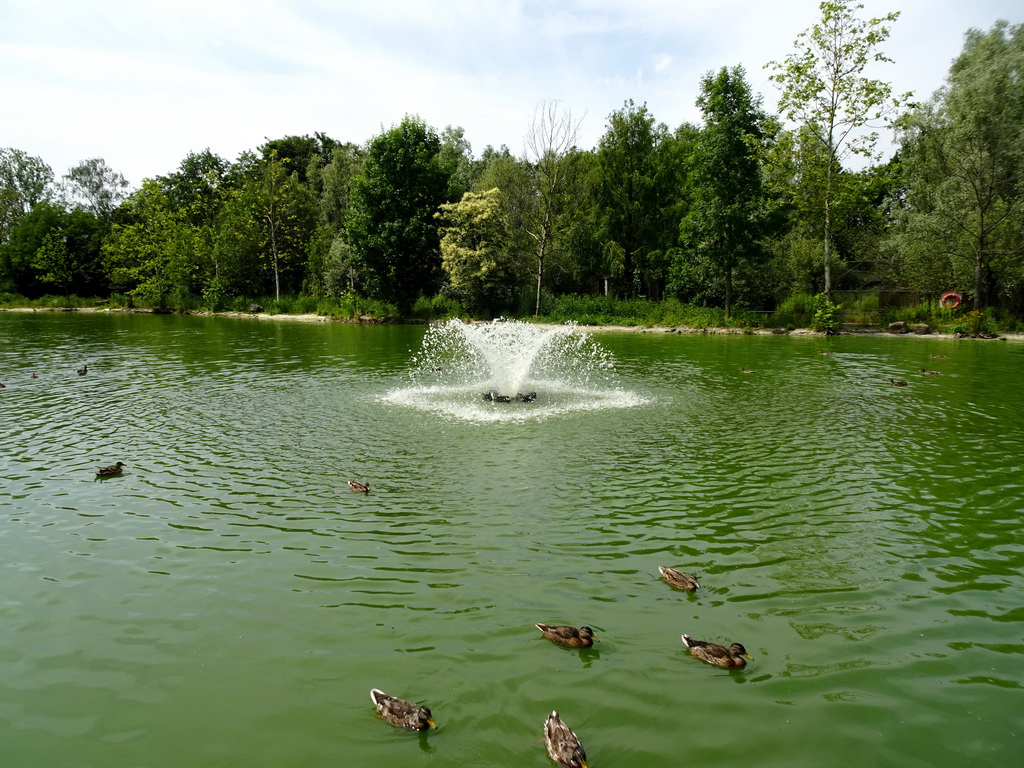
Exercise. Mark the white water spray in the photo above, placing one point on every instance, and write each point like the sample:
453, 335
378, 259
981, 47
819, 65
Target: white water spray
460, 363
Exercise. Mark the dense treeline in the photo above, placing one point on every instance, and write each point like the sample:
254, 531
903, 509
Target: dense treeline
737, 213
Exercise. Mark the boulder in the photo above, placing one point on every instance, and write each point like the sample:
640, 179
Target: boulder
920, 328
898, 327
255, 308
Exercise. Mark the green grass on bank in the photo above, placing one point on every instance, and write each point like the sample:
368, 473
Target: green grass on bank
798, 311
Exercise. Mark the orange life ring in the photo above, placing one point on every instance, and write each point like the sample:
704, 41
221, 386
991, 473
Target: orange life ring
950, 300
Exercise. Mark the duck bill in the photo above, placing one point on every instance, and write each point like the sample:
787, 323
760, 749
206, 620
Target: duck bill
431, 723
747, 656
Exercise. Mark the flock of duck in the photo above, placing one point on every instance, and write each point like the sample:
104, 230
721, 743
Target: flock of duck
562, 743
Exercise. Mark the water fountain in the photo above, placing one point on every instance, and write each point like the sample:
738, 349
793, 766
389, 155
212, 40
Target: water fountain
508, 370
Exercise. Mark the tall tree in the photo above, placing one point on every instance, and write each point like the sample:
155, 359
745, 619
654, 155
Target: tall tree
963, 157
628, 190
24, 181
391, 224
551, 136
826, 90
730, 204
95, 187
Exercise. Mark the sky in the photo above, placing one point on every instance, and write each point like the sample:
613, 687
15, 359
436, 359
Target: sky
142, 84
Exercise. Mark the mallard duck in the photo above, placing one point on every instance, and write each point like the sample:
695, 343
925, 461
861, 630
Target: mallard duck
563, 745
83, 370
570, 637
678, 579
897, 383
929, 373
713, 653
359, 487
111, 471
747, 370
937, 357
824, 352
402, 713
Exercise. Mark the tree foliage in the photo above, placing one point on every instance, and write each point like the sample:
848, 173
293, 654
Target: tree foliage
482, 267
391, 225
963, 157
730, 205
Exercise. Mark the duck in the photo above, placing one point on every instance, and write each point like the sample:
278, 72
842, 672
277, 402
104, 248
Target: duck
937, 357
569, 637
33, 376
897, 383
929, 373
402, 713
713, 653
824, 352
563, 745
359, 487
678, 579
83, 370
111, 471
747, 370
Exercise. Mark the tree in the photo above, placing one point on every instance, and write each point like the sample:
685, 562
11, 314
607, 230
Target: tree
391, 225
730, 205
629, 194
95, 187
153, 252
483, 271
24, 181
56, 264
551, 136
286, 217
825, 90
963, 157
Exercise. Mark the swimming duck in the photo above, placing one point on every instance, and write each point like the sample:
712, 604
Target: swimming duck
713, 653
678, 579
563, 745
402, 713
359, 487
937, 357
897, 383
570, 637
824, 352
747, 370
929, 373
111, 471
83, 370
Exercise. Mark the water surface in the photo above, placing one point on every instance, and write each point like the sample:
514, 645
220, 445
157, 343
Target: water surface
228, 601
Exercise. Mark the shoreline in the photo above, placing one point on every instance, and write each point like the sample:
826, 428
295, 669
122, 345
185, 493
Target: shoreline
849, 330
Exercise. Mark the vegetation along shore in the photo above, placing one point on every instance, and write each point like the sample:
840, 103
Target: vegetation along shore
747, 221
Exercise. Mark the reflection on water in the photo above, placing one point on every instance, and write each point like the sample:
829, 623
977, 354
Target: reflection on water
863, 541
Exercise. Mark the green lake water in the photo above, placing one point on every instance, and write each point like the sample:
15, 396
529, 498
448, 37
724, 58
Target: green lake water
228, 601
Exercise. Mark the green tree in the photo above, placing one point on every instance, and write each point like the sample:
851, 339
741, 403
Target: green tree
825, 90
629, 194
95, 187
391, 225
56, 264
483, 271
286, 217
153, 252
963, 157
730, 204
24, 181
